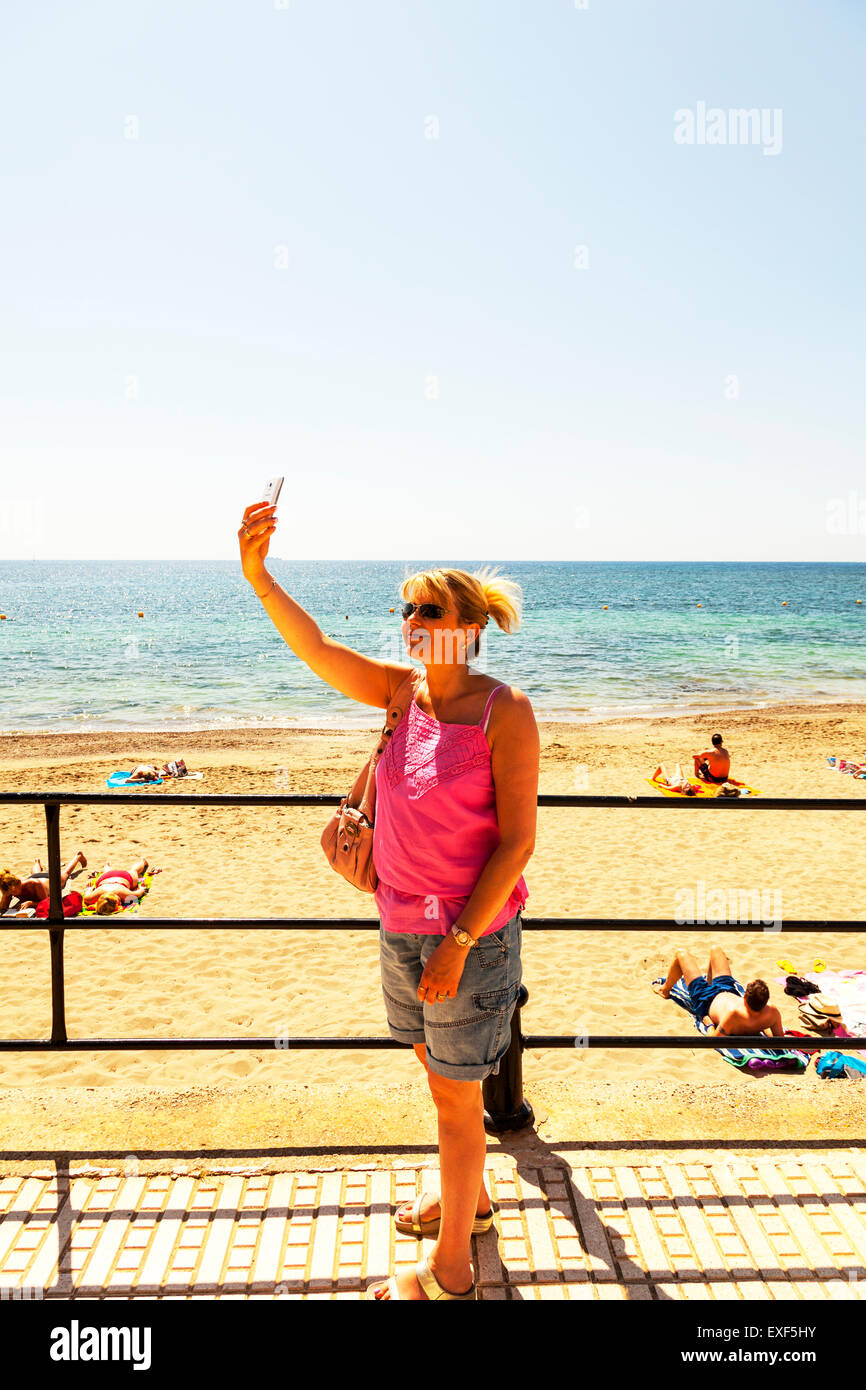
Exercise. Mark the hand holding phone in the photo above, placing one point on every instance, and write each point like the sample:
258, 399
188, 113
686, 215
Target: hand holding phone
272, 491
256, 530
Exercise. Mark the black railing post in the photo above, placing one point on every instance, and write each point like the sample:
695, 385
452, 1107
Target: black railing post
55, 914
504, 1105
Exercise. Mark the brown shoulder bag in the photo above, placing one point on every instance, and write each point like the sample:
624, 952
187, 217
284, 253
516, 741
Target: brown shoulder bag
348, 837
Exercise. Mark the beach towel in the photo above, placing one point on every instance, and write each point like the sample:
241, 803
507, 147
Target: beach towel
121, 779
703, 789
753, 1059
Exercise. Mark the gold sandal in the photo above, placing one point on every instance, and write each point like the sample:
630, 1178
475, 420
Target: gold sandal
429, 1283
430, 1229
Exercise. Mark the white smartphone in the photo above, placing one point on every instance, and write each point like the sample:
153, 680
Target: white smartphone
272, 491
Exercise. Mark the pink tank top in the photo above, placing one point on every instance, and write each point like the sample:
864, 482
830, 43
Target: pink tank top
435, 825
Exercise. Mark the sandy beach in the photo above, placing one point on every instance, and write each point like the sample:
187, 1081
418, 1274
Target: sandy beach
262, 862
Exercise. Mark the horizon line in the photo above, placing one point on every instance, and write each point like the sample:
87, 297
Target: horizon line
396, 560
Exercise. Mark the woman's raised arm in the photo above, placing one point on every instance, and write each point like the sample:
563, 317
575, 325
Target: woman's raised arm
362, 678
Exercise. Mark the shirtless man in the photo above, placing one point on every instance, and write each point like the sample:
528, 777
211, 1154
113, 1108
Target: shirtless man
714, 764
716, 997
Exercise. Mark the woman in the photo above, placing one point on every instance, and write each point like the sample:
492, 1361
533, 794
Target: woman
116, 888
33, 890
456, 800
677, 783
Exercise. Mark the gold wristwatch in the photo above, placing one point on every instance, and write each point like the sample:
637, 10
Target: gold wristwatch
462, 937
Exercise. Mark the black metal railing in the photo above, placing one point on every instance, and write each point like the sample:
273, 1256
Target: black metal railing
57, 925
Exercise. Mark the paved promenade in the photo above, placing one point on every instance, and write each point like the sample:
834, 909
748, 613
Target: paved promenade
786, 1226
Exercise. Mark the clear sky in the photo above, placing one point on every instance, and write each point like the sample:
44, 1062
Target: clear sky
342, 241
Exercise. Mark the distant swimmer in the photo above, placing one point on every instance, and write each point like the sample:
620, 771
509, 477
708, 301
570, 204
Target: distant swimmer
714, 764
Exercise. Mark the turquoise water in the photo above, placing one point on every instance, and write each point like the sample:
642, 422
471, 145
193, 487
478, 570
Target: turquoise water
205, 654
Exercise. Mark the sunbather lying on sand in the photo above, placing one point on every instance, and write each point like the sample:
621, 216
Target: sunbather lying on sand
145, 772
719, 1005
677, 783
121, 884
32, 890
148, 772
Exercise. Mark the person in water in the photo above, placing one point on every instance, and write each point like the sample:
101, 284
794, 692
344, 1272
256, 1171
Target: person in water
716, 997
714, 764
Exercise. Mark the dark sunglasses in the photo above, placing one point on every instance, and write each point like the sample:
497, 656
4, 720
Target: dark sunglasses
424, 610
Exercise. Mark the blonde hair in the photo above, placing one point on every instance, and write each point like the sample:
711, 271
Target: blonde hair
108, 904
478, 597
7, 879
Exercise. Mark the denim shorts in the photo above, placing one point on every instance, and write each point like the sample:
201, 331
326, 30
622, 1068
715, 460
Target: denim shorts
466, 1037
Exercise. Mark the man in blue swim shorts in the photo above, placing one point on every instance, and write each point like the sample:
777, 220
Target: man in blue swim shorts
720, 1001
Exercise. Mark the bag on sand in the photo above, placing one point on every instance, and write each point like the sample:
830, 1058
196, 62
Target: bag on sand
348, 837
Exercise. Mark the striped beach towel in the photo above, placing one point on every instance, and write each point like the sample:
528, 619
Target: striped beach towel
754, 1059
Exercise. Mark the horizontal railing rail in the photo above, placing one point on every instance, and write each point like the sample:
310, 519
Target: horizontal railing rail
665, 924
57, 926
761, 803
529, 1040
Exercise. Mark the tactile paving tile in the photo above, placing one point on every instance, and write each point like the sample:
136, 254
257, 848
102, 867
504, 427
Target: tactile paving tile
780, 1227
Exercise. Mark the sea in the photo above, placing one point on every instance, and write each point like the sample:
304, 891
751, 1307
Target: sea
183, 646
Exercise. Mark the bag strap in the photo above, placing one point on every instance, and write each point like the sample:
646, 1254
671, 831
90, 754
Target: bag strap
401, 698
